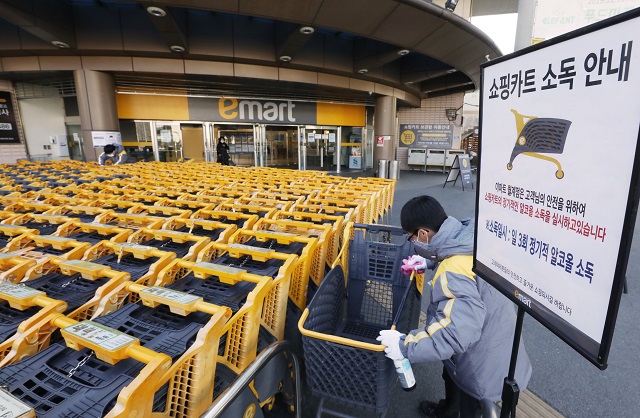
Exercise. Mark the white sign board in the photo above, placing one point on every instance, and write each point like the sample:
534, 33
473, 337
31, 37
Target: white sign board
12, 407
165, 136
553, 17
559, 132
102, 138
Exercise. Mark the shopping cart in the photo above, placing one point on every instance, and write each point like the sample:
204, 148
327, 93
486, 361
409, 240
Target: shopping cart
44, 223
159, 357
539, 136
64, 286
344, 362
92, 232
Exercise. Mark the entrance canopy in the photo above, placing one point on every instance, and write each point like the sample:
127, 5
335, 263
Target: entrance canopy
316, 49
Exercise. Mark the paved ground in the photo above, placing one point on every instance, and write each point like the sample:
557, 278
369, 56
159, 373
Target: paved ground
561, 377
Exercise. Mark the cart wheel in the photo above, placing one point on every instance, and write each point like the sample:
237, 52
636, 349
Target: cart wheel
559, 174
509, 166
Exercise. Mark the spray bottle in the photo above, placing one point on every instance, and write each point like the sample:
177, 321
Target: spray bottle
405, 374
403, 366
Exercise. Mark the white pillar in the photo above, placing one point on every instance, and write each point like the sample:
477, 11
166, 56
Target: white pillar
524, 29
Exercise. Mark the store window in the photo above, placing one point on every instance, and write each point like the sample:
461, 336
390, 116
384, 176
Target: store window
137, 139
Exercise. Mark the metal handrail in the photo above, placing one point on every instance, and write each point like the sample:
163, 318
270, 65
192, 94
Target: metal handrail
243, 380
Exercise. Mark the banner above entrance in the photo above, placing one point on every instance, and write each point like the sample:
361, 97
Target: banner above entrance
229, 109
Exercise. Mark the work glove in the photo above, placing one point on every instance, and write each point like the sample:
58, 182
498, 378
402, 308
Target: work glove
415, 262
391, 339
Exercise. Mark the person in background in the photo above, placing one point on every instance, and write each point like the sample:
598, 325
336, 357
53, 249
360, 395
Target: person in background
470, 325
222, 149
114, 153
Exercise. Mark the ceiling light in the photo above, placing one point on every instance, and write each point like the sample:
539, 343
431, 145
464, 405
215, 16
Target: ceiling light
403, 52
451, 5
285, 58
60, 44
177, 48
363, 71
451, 70
307, 30
156, 11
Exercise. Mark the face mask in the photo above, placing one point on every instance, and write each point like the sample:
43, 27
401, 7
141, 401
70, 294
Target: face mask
415, 237
425, 250
427, 243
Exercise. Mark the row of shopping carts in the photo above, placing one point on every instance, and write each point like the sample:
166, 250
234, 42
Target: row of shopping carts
145, 290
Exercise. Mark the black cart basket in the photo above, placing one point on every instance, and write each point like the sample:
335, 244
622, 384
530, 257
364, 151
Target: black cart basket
345, 363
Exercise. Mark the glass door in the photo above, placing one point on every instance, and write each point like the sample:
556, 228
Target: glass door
302, 148
168, 143
74, 133
280, 146
240, 139
209, 142
322, 145
261, 151
353, 148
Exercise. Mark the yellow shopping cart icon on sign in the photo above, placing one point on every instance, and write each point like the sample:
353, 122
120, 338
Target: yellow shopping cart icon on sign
538, 136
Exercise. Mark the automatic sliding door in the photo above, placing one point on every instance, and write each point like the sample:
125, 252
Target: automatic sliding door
281, 146
240, 139
168, 141
322, 148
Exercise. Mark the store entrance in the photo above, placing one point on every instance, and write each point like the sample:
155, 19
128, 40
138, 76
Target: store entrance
260, 145
321, 147
240, 139
175, 141
281, 146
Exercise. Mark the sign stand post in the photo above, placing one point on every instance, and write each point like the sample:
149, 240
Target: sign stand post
461, 167
510, 390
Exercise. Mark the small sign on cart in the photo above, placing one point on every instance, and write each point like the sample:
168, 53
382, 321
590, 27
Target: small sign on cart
12, 407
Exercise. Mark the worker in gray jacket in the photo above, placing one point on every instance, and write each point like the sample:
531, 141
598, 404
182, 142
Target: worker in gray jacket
114, 153
470, 325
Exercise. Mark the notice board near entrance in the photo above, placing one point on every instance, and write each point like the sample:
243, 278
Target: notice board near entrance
8, 126
554, 220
